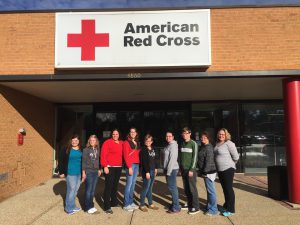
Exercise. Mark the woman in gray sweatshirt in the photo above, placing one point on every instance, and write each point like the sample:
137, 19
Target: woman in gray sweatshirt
226, 156
171, 168
91, 171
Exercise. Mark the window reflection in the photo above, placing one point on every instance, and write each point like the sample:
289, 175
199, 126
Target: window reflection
263, 137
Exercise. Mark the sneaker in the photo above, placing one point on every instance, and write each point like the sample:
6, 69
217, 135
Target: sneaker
211, 214
134, 206
76, 209
92, 210
227, 214
193, 211
173, 211
70, 212
143, 208
154, 207
185, 207
109, 211
128, 208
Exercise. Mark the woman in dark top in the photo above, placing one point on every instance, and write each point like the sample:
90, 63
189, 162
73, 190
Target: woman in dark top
73, 174
91, 171
207, 169
149, 167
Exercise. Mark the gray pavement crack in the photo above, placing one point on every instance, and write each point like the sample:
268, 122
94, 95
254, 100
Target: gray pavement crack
131, 219
43, 213
230, 220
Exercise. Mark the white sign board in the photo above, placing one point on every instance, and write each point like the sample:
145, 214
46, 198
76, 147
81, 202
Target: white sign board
133, 39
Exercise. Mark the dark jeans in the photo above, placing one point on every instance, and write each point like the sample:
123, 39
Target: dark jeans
147, 189
90, 187
111, 187
172, 186
226, 180
190, 189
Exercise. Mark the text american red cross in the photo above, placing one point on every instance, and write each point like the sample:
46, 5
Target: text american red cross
88, 40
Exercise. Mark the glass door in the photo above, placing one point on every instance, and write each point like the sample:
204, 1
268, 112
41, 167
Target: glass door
263, 136
213, 116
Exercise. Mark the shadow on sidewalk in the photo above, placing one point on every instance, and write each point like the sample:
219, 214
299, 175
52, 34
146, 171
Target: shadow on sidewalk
60, 188
247, 186
162, 195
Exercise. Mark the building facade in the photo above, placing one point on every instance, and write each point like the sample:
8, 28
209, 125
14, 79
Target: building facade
250, 87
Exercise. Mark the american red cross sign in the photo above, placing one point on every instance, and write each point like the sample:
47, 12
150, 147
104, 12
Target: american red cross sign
171, 38
88, 40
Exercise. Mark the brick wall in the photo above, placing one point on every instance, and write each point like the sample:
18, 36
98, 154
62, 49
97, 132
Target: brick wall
255, 39
22, 167
27, 43
242, 39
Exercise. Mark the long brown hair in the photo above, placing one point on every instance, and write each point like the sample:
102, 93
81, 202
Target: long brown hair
137, 134
70, 142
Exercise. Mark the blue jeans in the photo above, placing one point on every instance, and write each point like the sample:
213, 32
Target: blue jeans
211, 206
130, 184
147, 189
90, 187
172, 186
73, 184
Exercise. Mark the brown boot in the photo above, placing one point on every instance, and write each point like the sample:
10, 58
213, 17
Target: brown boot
154, 207
143, 208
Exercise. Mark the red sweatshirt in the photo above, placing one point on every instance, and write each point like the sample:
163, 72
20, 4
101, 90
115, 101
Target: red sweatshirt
111, 153
130, 155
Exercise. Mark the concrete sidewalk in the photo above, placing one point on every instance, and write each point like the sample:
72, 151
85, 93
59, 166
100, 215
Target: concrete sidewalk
44, 205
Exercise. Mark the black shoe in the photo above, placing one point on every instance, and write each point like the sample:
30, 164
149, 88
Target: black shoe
109, 211
185, 207
169, 207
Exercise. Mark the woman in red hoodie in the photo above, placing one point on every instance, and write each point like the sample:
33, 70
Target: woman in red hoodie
131, 152
111, 161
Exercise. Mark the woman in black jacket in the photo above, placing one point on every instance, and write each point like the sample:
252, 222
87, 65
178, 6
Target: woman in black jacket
207, 169
149, 170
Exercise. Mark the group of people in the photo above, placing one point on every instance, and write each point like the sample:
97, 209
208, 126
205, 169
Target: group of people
188, 159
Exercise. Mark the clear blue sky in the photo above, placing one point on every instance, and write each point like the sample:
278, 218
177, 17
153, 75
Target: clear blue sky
12, 5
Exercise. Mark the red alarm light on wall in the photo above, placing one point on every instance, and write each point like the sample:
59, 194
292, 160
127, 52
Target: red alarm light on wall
20, 136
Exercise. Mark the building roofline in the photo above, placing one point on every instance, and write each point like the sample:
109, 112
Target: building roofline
150, 76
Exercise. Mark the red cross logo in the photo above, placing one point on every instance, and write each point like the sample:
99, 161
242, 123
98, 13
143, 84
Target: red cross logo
88, 40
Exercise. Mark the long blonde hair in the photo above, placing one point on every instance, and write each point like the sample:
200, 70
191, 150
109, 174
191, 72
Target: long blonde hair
227, 134
88, 144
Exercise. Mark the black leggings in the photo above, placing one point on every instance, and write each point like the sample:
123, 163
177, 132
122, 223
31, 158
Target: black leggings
111, 187
226, 180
